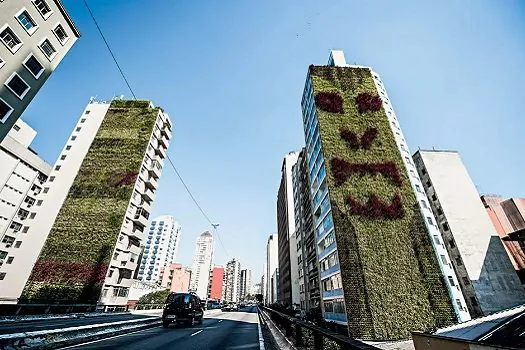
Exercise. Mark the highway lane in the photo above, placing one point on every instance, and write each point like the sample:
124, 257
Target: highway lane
221, 330
40, 325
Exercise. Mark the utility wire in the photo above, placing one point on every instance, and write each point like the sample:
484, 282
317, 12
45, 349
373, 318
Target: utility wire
167, 156
109, 49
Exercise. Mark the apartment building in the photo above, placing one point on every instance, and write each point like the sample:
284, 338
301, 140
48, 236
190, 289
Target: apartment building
232, 281
88, 233
22, 176
486, 275
216, 283
372, 241
160, 248
272, 270
305, 237
245, 285
288, 264
35, 36
202, 261
176, 278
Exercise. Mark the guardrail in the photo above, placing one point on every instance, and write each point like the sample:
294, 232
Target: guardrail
309, 336
44, 309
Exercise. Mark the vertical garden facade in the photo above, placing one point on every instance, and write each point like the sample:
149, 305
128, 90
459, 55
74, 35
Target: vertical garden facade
92, 249
378, 271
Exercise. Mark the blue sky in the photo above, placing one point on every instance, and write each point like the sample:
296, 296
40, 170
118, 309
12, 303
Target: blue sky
231, 77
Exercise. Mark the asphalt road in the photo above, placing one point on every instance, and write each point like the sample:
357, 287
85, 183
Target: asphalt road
40, 325
221, 330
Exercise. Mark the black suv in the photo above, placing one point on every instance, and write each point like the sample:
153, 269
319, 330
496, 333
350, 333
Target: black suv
182, 308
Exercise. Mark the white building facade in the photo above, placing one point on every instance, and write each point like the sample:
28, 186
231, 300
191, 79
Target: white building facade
246, 283
22, 176
232, 281
202, 263
35, 36
486, 275
272, 269
160, 249
127, 248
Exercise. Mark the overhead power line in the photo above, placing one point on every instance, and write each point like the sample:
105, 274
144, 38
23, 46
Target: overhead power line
214, 225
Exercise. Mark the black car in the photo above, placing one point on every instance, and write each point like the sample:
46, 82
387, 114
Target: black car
182, 308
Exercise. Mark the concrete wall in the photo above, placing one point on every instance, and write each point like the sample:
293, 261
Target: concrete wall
30, 45
430, 342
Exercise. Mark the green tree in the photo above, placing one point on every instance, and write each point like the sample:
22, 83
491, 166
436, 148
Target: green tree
158, 297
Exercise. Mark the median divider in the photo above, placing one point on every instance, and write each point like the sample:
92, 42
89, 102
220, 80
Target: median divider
51, 339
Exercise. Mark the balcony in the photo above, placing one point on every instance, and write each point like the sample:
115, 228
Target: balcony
151, 182
141, 217
148, 194
155, 168
335, 316
163, 140
329, 271
165, 131
22, 214
327, 251
161, 152
333, 293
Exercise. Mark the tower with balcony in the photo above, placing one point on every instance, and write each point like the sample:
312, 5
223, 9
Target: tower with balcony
378, 269
91, 229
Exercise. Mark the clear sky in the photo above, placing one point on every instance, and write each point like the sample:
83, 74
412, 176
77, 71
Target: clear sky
231, 75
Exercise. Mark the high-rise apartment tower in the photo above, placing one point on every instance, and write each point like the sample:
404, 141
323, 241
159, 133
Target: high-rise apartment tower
202, 261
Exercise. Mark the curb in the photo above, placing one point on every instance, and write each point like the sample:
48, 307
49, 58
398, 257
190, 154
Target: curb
14, 319
51, 339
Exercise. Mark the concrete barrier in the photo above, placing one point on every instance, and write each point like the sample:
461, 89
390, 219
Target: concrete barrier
51, 339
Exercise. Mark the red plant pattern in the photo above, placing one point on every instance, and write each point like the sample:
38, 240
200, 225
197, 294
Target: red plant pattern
375, 208
368, 102
54, 271
354, 142
342, 170
128, 178
329, 102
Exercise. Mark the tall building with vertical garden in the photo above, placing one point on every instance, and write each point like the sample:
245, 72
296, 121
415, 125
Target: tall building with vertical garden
102, 190
379, 271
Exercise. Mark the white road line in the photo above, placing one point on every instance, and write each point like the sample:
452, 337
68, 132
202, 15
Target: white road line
220, 321
195, 333
261, 339
103, 339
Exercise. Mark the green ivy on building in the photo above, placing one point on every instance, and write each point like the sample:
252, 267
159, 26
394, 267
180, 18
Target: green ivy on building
391, 278
74, 260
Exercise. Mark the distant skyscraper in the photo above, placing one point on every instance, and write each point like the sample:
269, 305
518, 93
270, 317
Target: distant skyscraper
487, 278
372, 242
32, 47
202, 260
216, 283
232, 279
305, 235
264, 283
288, 265
160, 248
176, 278
272, 269
22, 176
96, 205
508, 218
246, 283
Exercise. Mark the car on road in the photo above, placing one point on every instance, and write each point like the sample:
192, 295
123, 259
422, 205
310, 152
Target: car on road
182, 308
229, 307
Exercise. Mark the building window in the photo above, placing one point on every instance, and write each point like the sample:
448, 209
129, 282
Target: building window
15, 226
474, 301
68, 147
43, 8
78, 129
17, 85
5, 110
73, 138
10, 260
418, 188
110, 273
33, 66
39, 203
61, 34
10, 40
2, 62
82, 120
439, 211
434, 198
429, 220
445, 226
62, 157
51, 179
87, 112
18, 244
423, 171
458, 261
48, 49
46, 189
25, 229
443, 259
460, 306
436, 239
16, 128
451, 281
57, 168
424, 204
466, 281
451, 243
32, 215
2, 275
26, 21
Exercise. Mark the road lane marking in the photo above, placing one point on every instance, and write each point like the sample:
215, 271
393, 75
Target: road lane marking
220, 321
195, 333
113, 337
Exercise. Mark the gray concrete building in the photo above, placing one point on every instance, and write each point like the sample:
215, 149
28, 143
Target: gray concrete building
35, 36
485, 273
